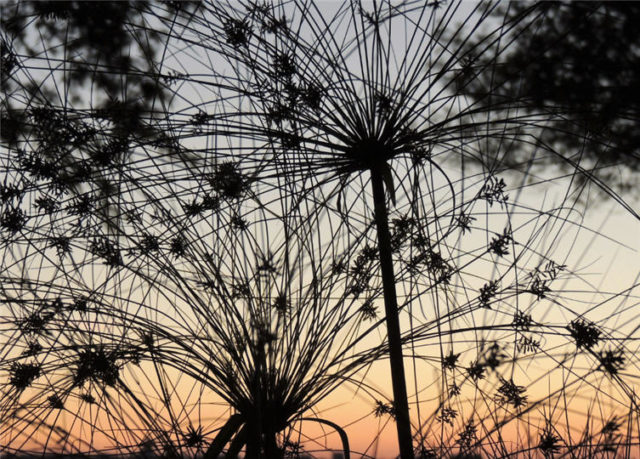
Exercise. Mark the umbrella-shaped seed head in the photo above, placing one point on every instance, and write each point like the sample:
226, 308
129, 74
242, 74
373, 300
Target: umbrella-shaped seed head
97, 365
23, 374
228, 181
585, 334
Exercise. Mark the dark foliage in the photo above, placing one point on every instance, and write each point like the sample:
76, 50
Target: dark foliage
579, 61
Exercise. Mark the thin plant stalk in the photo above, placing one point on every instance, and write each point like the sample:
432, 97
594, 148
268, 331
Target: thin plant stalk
401, 405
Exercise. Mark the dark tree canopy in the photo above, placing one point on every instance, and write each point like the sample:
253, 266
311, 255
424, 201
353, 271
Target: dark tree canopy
581, 62
81, 83
110, 53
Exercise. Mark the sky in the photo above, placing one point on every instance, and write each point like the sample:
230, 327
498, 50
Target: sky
592, 239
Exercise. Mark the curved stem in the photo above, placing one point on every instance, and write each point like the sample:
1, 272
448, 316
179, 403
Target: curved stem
237, 443
224, 435
343, 435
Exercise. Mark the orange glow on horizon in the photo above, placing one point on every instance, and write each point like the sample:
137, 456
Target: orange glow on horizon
374, 436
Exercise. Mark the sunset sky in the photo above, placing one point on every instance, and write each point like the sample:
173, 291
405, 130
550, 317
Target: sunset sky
195, 236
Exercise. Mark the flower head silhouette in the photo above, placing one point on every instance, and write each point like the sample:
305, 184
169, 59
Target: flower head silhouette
302, 190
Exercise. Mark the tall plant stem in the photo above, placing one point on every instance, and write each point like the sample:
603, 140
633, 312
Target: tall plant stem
401, 405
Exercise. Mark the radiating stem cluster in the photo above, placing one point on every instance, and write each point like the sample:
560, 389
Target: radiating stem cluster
219, 219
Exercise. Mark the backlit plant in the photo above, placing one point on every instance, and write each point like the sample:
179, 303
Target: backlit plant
284, 143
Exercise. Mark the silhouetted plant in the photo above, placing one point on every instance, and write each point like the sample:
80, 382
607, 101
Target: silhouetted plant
254, 318
393, 123
223, 237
